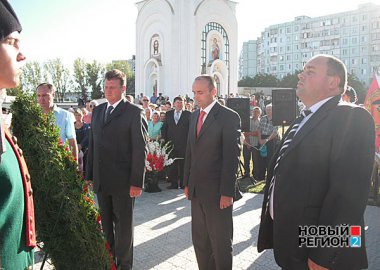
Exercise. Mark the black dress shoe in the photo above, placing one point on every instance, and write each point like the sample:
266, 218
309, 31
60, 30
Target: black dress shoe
172, 187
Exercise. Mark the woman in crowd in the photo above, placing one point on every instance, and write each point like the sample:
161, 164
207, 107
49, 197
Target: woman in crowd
154, 127
82, 133
87, 117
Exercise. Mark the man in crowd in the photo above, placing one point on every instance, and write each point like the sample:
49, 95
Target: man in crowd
17, 228
251, 145
63, 119
175, 130
212, 157
267, 134
316, 179
116, 164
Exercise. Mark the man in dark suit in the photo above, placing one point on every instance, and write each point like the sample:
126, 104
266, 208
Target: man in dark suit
116, 164
212, 157
322, 176
175, 129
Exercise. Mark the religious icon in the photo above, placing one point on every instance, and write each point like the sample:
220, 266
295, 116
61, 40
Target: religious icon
155, 49
215, 49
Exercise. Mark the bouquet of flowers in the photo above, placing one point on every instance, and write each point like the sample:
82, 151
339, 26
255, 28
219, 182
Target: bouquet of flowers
158, 156
156, 161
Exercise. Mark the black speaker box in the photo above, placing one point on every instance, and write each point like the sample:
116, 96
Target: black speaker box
284, 106
241, 106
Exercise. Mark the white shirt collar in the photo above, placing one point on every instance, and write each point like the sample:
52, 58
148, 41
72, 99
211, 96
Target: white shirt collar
319, 104
114, 105
209, 107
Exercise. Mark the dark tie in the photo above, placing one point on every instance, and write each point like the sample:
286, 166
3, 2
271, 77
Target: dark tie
200, 121
108, 113
288, 139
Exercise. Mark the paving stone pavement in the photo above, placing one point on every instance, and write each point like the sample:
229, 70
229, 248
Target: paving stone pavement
163, 234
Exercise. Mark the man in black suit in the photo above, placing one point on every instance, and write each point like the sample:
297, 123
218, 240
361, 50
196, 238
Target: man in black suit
322, 176
212, 157
116, 164
175, 129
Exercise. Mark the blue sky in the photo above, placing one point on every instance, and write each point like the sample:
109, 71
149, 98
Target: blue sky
104, 30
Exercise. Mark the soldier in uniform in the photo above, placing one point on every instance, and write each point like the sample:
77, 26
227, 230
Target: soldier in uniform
17, 231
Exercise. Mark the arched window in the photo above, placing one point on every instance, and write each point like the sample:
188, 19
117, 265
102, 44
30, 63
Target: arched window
226, 47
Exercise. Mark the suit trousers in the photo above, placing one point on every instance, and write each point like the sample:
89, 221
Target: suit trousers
212, 231
117, 222
175, 173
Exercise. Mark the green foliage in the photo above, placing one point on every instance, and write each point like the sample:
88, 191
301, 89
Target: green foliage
59, 77
290, 80
246, 82
14, 91
359, 87
80, 77
131, 85
95, 75
265, 80
120, 65
33, 74
66, 217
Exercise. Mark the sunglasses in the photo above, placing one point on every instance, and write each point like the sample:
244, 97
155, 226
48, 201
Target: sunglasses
146, 100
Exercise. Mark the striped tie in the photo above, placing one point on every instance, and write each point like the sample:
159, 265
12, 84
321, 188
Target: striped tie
288, 139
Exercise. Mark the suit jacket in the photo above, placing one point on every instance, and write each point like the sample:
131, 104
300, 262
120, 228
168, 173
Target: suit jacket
322, 179
176, 133
212, 157
117, 149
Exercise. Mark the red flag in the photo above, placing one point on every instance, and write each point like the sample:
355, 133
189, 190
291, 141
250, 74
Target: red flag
372, 104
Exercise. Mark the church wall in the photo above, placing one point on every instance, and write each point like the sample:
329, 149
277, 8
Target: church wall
180, 32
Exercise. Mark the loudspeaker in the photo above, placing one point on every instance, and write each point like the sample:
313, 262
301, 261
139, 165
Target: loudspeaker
241, 106
284, 107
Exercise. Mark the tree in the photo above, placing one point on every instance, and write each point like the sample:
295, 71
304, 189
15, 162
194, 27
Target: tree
126, 69
290, 80
80, 77
265, 80
359, 86
95, 75
246, 82
33, 74
131, 85
121, 65
60, 76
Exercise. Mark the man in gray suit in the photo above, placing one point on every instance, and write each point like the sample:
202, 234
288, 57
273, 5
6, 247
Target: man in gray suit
212, 156
116, 164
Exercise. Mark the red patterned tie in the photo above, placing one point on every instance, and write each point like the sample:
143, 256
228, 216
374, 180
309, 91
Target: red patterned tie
200, 121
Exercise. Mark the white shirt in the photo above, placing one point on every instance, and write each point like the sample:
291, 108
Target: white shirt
208, 109
113, 105
177, 113
313, 109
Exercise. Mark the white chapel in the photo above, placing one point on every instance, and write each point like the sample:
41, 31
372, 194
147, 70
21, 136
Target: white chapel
177, 40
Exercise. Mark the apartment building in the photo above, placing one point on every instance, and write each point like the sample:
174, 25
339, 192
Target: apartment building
352, 36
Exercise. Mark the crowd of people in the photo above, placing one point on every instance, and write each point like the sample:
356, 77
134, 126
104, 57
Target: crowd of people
311, 177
